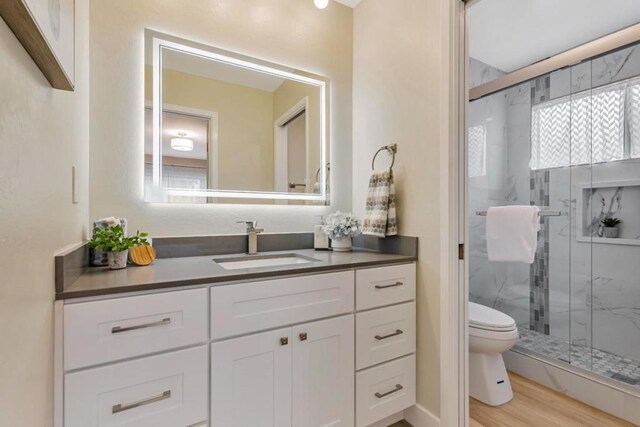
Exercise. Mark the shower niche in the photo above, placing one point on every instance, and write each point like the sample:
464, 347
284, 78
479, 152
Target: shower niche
616, 199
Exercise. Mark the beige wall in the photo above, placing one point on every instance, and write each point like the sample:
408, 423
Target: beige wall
293, 33
43, 132
245, 125
399, 84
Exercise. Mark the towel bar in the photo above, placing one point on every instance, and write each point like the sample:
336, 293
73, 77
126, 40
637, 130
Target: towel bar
542, 213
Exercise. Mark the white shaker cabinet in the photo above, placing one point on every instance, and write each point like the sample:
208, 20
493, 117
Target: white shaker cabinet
323, 366
328, 349
300, 376
251, 380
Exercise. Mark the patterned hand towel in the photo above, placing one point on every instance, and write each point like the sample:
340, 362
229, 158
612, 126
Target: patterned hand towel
380, 216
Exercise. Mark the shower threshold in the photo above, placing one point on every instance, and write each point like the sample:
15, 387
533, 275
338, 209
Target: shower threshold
609, 365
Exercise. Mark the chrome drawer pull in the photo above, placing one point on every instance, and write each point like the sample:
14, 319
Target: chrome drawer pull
397, 332
381, 395
118, 329
389, 286
120, 407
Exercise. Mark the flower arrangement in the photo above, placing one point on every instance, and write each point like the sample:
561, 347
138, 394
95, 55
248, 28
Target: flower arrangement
338, 225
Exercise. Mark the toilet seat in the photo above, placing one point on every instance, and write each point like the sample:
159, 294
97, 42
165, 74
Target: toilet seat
489, 319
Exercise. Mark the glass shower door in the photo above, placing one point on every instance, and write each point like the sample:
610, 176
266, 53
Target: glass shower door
518, 154
613, 193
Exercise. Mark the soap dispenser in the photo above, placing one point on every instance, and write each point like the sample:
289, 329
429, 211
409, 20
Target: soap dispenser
320, 238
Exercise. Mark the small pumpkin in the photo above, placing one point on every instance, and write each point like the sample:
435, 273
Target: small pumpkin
142, 255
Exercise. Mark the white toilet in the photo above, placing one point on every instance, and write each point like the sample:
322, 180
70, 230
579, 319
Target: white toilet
490, 334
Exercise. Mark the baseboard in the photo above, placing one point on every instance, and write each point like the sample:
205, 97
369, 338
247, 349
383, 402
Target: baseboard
419, 416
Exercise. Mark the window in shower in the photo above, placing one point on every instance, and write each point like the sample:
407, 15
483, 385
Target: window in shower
633, 97
477, 151
587, 127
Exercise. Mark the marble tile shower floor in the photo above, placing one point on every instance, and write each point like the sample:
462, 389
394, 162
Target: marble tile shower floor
607, 364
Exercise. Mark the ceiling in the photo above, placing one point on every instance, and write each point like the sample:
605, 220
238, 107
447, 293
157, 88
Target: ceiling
196, 129
203, 67
350, 3
511, 34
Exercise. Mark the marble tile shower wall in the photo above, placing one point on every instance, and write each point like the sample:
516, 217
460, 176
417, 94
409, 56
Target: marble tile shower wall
506, 118
593, 293
594, 297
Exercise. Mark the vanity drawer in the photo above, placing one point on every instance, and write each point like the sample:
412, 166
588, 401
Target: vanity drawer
380, 286
104, 331
385, 333
158, 391
249, 307
384, 390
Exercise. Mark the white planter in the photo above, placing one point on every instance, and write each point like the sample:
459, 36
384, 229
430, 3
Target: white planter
611, 232
341, 244
118, 260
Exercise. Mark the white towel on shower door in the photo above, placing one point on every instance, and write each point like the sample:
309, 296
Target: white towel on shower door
512, 233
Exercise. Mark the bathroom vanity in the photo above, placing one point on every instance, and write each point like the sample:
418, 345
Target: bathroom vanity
188, 342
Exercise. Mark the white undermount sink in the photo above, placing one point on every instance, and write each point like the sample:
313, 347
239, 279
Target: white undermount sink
258, 261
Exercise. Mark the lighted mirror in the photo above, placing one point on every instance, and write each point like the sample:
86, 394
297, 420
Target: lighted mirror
225, 128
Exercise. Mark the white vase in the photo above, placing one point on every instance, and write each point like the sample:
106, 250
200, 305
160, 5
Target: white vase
341, 244
118, 260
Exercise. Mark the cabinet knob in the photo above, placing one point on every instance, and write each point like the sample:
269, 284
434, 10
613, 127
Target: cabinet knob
284, 341
303, 336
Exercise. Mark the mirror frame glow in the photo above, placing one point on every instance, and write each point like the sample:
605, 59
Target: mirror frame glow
158, 193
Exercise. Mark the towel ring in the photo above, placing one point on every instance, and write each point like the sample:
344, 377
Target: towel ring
391, 149
328, 166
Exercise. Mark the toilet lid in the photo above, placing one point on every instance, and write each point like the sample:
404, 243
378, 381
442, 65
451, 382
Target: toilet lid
484, 317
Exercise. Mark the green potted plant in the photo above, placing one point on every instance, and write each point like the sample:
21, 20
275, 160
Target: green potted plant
610, 227
116, 244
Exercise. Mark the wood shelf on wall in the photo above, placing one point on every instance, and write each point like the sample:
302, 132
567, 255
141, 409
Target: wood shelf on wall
19, 19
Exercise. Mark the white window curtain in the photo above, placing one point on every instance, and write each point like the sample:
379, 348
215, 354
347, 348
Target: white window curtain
551, 134
477, 151
633, 117
180, 177
584, 128
607, 124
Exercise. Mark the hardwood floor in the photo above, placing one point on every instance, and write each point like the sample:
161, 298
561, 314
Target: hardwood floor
534, 405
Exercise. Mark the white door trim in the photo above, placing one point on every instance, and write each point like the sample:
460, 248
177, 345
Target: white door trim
454, 290
281, 182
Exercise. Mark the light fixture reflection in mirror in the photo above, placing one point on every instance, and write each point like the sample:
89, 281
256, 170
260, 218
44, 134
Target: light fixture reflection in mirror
321, 4
182, 143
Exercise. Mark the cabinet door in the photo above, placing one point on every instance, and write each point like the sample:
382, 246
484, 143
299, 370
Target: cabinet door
251, 381
323, 373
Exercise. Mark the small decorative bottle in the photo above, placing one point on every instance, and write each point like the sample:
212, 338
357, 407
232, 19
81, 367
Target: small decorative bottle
320, 238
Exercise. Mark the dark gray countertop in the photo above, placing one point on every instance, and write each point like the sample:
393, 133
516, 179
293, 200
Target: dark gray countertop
196, 270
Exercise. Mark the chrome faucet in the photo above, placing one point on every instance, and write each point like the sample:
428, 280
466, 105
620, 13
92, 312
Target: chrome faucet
252, 236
